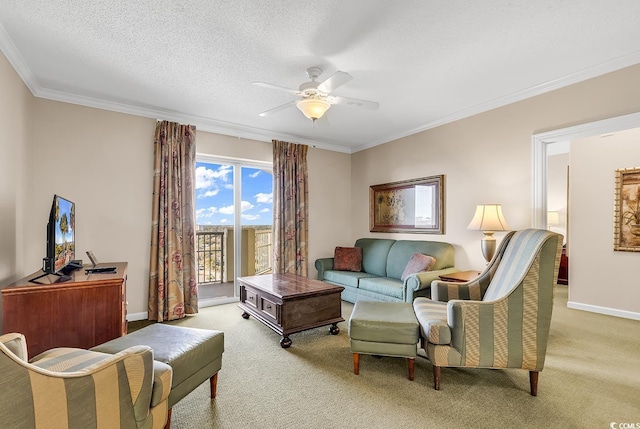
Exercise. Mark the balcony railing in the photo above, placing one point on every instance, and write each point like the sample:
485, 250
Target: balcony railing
210, 253
264, 251
213, 248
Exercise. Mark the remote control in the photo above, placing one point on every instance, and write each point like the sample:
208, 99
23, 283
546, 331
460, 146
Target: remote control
100, 270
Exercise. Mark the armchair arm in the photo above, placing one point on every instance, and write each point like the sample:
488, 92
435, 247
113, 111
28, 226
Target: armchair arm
445, 291
419, 284
16, 343
322, 265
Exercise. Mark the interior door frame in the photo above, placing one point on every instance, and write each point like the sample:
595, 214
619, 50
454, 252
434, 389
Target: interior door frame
539, 145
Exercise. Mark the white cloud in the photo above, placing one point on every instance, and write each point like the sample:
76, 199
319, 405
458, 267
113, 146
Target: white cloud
265, 211
250, 217
264, 198
206, 213
210, 193
254, 175
228, 210
209, 181
224, 221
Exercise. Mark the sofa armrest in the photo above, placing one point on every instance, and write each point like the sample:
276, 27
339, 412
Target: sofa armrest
419, 284
322, 265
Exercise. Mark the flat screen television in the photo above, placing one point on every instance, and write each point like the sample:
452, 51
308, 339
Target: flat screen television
61, 246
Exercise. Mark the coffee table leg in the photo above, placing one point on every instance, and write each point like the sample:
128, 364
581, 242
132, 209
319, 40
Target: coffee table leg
334, 330
245, 315
285, 342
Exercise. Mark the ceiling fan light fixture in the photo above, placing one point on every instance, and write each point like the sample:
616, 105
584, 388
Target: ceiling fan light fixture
313, 108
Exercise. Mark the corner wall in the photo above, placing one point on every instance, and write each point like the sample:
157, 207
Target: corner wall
15, 104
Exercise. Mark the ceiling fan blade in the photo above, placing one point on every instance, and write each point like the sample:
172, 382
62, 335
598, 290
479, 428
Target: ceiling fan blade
278, 87
334, 81
278, 109
354, 102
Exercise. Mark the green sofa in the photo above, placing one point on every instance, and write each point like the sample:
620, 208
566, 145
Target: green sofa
383, 262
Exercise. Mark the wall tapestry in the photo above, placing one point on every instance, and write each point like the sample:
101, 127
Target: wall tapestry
626, 225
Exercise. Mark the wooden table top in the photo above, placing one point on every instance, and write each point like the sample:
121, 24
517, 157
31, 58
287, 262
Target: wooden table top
460, 276
290, 285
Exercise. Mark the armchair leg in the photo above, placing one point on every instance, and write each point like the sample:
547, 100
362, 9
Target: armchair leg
436, 377
356, 363
533, 381
411, 366
168, 425
213, 382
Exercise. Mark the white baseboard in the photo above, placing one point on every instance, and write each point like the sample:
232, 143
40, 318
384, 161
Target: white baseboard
132, 317
604, 310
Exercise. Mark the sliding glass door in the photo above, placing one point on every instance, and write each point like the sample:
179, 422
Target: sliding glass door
234, 214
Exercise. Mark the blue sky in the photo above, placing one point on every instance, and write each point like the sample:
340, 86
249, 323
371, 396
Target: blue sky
214, 195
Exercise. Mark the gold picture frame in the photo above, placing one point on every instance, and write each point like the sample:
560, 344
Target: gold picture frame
626, 224
409, 206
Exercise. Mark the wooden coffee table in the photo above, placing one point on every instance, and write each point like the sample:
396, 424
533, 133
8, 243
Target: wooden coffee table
288, 303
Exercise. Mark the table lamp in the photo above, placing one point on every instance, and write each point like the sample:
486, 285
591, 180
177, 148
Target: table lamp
488, 219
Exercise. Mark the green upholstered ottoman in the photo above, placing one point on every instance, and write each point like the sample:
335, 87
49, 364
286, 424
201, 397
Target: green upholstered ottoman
383, 329
194, 355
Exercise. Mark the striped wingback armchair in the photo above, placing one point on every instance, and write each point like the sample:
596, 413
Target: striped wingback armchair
76, 388
509, 326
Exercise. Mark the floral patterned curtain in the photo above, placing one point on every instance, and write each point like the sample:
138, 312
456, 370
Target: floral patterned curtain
290, 208
173, 290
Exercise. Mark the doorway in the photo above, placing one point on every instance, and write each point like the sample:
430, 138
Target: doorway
234, 215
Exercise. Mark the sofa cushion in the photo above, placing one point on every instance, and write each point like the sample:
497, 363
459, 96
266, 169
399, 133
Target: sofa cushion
345, 278
401, 251
418, 264
374, 255
432, 316
383, 285
347, 259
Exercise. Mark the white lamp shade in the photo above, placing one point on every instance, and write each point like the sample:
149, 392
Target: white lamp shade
488, 217
313, 108
553, 218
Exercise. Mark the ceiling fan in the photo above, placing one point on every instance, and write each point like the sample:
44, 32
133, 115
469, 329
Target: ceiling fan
315, 97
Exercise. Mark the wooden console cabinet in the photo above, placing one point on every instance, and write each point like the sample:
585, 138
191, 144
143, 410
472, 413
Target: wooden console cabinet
87, 310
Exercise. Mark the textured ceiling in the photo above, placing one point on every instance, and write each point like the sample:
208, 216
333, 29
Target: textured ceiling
427, 62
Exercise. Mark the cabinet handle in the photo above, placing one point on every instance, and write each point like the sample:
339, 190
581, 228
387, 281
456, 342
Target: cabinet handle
268, 307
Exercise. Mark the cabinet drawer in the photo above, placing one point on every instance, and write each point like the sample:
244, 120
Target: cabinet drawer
251, 298
269, 308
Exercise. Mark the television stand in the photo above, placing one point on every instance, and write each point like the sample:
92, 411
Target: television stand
83, 312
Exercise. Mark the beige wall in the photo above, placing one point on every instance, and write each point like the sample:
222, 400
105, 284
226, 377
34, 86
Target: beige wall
15, 103
103, 161
487, 159
600, 278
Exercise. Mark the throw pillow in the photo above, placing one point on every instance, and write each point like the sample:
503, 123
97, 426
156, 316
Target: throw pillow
347, 259
418, 264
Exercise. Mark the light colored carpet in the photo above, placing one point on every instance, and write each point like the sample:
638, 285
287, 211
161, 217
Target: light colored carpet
591, 379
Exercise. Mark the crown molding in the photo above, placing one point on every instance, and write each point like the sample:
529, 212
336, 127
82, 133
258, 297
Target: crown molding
570, 79
226, 128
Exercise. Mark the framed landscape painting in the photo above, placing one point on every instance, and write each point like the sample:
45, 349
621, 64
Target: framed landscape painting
626, 227
411, 206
